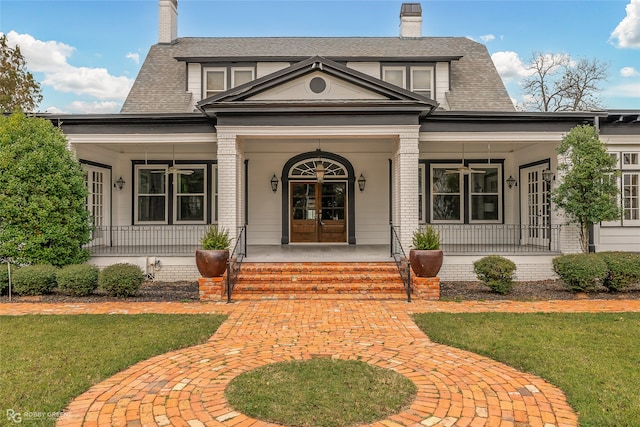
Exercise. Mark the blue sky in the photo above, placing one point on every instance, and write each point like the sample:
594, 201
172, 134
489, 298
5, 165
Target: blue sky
86, 53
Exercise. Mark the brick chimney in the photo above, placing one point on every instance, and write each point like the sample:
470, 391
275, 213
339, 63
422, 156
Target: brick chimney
411, 20
168, 21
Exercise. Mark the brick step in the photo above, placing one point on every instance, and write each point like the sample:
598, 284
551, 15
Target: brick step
315, 280
378, 296
318, 268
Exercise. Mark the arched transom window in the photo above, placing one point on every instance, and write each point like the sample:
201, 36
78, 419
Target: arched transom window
307, 169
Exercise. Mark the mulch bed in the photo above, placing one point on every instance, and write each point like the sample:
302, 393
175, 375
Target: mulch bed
450, 291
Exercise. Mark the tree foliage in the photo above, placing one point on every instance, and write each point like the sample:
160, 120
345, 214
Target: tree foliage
559, 83
43, 215
588, 191
18, 89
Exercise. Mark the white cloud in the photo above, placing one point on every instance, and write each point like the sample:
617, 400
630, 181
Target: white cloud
629, 72
135, 57
51, 58
96, 82
509, 65
627, 33
626, 90
105, 107
487, 38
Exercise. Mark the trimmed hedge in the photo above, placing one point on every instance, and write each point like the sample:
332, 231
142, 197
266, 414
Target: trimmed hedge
36, 279
624, 270
496, 272
581, 272
121, 280
78, 279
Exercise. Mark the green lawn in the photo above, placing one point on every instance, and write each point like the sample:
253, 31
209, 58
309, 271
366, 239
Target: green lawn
303, 393
46, 360
593, 358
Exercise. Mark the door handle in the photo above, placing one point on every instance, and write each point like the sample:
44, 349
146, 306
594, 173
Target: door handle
320, 219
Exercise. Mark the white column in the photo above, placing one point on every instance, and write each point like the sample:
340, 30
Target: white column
405, 187
229, 182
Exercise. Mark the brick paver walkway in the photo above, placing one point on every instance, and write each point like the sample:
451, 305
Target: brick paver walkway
186, 387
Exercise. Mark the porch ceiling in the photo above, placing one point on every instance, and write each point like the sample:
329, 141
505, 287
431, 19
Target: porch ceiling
474, 149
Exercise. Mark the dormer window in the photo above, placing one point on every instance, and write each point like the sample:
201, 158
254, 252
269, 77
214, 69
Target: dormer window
219, 79
422, 80
418, 79
215, 82
395, 76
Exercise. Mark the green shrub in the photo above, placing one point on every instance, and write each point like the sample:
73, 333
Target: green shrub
426, 238
121, 280
624, 269
581, 272
496, 272
78, 279
216, 239
36, 279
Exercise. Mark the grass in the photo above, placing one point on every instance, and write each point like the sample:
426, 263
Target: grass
593, 358
320, 392
47, 360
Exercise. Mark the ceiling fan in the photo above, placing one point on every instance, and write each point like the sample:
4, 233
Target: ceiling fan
464, 169
174, 168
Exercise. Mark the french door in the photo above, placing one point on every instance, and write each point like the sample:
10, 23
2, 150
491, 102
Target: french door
536, 208
318, 212
98, 203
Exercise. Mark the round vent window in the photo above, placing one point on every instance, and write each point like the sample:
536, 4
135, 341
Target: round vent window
317, 85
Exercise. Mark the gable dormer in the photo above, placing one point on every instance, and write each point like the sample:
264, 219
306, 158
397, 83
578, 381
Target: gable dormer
317, 84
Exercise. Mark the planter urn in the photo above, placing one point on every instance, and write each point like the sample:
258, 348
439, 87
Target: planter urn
426, 263
211, 263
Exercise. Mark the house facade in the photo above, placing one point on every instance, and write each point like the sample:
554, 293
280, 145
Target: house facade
331, 141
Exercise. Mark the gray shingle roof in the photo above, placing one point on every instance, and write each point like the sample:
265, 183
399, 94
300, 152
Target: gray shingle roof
161, 87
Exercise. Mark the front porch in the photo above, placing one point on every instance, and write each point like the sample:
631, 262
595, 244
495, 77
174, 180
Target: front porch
166, 253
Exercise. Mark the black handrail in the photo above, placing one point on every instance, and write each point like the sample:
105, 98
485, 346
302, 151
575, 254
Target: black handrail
234, 263
402, 262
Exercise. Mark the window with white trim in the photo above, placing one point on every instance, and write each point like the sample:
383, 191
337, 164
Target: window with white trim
422, 81
395, 76
151, 194
215, 81
628, 181
446, 194
418, 79
190, 196
421, 171
165, 197
241, 75
631, 198
485, 202
458, 197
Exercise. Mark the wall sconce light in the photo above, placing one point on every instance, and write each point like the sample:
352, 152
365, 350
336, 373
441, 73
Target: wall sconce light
362, 182
548, 176
119, 184
511, 182
274, 183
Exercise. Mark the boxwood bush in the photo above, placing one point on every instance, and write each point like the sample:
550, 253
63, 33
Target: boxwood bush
121, 280
78, 279
624, 269
36, 279
581, 272
496, 272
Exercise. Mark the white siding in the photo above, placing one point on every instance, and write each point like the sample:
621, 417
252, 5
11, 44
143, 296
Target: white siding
299, 89
194, 82
370, 68
442, 84
266, 68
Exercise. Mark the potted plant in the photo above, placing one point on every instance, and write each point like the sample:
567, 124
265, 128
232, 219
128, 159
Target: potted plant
211, 260
426, 256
